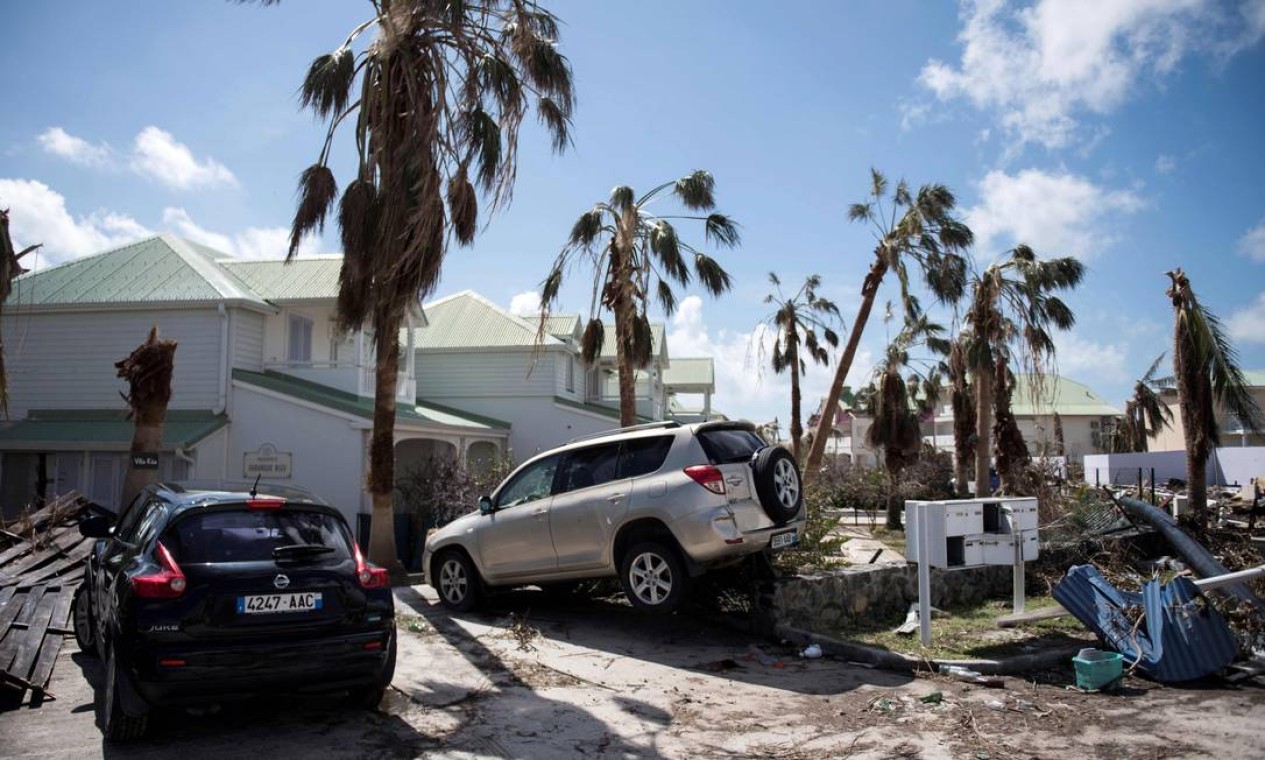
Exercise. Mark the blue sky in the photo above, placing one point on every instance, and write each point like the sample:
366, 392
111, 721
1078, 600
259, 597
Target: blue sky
1125, 132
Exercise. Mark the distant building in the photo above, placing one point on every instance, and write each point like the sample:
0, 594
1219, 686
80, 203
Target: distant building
1233, 431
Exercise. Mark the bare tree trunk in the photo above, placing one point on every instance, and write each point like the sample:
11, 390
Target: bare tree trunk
1010, 449
1197, 489
797, 428
869, 290
382, 549
148, 371
983, 429
10, 270
963, 419
1059, 446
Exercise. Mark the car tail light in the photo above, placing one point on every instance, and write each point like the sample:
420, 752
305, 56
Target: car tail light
708, 477
369, 577
172, 662
265, 503
168, 583
373, 646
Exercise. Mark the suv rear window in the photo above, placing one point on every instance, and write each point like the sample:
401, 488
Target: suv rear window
728, 445
250, 536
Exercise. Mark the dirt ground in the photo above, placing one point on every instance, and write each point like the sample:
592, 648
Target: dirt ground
540, 678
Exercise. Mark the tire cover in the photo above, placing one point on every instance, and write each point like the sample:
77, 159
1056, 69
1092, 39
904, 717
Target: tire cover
764, 467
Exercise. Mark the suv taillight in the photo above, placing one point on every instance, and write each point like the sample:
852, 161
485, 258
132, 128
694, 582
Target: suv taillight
369, 577
264, 502
168, 583
708, 477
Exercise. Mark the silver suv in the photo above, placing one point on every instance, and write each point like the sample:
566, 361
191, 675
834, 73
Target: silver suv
655, 505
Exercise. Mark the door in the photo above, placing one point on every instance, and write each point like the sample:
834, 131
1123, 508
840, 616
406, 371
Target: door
514, 541
591, 500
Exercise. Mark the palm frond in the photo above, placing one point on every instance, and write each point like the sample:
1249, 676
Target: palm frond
623, 199
722, 230
696, 191
667, 299
587, 228
463, 207
591, 341
327, 87
714, 278
317, 191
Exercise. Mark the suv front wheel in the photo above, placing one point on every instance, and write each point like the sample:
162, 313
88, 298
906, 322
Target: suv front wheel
653, 577
457, 581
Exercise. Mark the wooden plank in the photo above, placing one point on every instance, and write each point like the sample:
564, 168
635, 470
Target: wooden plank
10, 637
29, 645
37, 566
6, 594
49, 572
1045, 613
43, 669
58, 547
61, 611
12, 552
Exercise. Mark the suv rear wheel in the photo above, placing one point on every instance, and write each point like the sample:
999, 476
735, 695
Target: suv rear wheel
81, 612
457, 581
116, 724
653, 577
777, 483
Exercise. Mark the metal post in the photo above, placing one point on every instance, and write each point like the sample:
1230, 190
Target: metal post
1141, 493
1018, 575
924, 576
1153, 501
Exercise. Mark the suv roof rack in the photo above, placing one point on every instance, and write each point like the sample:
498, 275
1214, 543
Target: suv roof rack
630, 429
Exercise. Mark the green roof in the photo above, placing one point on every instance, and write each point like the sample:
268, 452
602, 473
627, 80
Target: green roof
101, 429
1059, 394
161, 269
562, 326
300, 280
605, 411
690, 372
468, 320
422, 412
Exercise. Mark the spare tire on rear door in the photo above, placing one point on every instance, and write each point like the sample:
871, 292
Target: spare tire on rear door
777, 483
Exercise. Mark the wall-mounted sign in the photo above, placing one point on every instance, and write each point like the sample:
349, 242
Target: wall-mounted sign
267, 462
145, 460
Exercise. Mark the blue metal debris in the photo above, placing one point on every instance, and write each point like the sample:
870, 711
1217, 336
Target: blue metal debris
1180, 637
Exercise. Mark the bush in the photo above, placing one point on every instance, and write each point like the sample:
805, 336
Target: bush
442, 489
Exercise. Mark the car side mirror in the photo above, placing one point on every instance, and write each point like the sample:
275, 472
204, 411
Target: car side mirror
485, 505
96, 526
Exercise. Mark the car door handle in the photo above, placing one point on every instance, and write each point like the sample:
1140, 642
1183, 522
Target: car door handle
540, 512
615, 498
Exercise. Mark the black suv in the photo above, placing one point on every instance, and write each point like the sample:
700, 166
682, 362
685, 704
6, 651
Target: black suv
199, 595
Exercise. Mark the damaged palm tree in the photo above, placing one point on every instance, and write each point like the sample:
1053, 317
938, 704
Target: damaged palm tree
435, 100
1145, 416
10, 270
148, 371
1207, 374
962, 398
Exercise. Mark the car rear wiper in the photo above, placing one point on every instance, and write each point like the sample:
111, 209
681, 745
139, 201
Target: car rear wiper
296, 551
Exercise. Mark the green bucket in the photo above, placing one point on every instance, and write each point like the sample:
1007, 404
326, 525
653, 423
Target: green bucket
1096, 668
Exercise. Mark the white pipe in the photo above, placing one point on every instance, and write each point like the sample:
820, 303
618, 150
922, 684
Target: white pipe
223, 400
1217, 581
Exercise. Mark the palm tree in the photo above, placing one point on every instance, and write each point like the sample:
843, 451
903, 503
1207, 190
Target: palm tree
147, 370
10, 270
962, 398
1010, 315
797, 320
897, 410
907, 227
1208, 376
1145, 416
435, 100
630, 250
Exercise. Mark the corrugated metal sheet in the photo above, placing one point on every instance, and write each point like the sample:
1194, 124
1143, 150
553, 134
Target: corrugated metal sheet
301, 279
562, 327
689, 372
1180, 638
1058, 394
468, 320
97, 429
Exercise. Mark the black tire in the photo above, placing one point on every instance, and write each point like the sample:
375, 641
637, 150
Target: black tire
117, 725
370, 697
777, 483
457, 581
653, 577
85, 626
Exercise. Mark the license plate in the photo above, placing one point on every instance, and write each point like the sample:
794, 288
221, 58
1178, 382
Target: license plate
262, 604
781, 540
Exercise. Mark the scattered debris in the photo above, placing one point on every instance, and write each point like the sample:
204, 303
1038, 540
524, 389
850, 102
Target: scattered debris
934, 698
811, 652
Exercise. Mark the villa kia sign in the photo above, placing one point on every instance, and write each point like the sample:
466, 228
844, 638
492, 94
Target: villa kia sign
267, 462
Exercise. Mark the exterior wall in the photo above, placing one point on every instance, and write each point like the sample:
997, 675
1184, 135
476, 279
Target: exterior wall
209, 457
66, 360
1081, 435
571, 388
327, 453
536, 423
1173, 437
277, 327
444, 377
1227, 465
247, 340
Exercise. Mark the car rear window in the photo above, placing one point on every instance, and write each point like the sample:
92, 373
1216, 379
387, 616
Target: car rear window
251, 535
643, 455
728, 445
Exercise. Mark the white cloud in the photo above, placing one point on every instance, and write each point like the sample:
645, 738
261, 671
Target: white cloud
38, 214
1252, 244
157, 155
1248, 324
1165, 164
1042, 67
525, 304
253, 243
1058, 214
57, 141
1085, 360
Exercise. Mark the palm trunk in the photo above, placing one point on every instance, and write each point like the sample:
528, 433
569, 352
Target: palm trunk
382, 549
983, 429
1194, 393
623, 360
869, 291
148, 371
1197, 489
797, 428
963, 419
621, 304
1010, 449
893, 494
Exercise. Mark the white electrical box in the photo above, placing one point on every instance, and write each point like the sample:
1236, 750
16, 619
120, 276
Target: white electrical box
972, 532
999, 548
964, 518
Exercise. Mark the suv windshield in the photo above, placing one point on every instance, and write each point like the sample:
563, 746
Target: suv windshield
251, 536
729, 445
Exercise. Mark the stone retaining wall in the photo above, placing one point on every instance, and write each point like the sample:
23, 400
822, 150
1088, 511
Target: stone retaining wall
869, 593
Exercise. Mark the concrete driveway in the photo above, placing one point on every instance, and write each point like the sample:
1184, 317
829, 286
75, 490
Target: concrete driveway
538, 678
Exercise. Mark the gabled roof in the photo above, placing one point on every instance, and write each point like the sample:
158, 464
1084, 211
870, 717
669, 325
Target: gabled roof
1058, 394
468, 320
685, 373
303, 279
157, 270
421, 412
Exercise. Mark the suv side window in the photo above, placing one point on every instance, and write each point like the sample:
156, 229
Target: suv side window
729, 445
148, 526
643, 455
531, 483
129, 526
588, 467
